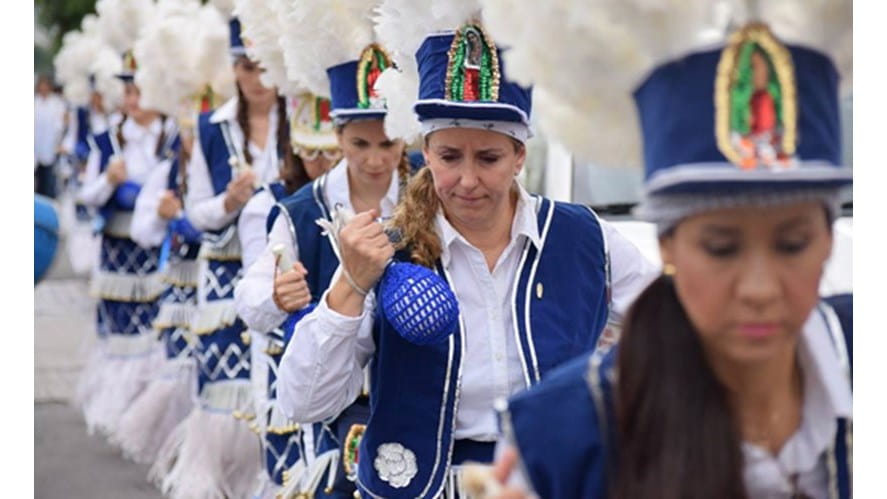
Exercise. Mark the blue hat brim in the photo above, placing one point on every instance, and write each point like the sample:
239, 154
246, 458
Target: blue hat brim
358, 114
429, 109
126, 77
727, 178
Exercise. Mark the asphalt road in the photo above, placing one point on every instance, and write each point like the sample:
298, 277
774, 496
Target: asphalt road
69, 463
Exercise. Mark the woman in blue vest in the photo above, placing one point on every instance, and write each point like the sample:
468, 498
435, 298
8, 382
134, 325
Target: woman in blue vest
126, 282
370, 176
535, 280
315, 152
159, 223
238, 147
732, 376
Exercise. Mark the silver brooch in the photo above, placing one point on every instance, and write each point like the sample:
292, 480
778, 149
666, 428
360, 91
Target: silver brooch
395, 464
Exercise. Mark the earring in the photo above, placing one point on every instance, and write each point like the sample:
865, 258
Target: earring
668, 269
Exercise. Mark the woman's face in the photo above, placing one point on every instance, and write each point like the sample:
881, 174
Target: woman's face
247, 73
749, 277
131, 96
473, 173
371, 155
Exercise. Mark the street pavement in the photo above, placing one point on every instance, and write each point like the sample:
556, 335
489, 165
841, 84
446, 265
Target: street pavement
69, 463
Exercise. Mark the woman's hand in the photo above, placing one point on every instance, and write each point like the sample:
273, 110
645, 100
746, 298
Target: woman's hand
502, 469
116, 172
366, 249
239, 190
170, 205
291, 292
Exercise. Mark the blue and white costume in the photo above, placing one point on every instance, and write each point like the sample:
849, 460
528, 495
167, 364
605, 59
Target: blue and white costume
168, 399
213, 453
126, 282
293, 224
699, 156
545, 301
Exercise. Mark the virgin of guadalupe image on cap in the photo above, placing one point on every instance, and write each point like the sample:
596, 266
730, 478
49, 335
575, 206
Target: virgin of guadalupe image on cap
755, 101
473, 70
373, 62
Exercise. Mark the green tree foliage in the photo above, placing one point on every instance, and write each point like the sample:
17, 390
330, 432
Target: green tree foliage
59, 17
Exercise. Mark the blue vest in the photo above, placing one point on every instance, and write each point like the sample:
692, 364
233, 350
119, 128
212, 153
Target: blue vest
560, 308
301, 209
563, 426
211, 137
81, 146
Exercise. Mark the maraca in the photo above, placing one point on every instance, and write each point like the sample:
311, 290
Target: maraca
415, 300
125, 195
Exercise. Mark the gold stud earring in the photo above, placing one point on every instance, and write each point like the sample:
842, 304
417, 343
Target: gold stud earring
669, 269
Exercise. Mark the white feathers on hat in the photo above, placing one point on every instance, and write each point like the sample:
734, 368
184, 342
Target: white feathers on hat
164, 54
212, 58
322, 34
179, 53
122, 21
224, 7
401, 27
72, 66
105, 67
83, 54
261, 28
585, 57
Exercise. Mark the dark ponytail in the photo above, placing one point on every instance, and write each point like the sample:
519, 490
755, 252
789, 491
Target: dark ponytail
677, 438
243, 121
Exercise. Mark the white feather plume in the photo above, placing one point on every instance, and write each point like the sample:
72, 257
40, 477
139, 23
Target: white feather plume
165, 53
401, 26
72, 66
585, 57
122, 21
224, 7
324, 33
105, 67
262, 24
180, 52
213, 62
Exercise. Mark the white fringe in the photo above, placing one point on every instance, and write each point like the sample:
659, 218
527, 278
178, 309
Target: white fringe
293, 481
182, 273
210, 455
174, 315
228, 396
154, 415
225, 247
328, 461
213, 315
90, 377
114, 384
126, 287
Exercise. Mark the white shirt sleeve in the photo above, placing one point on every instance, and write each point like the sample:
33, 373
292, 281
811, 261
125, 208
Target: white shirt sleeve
251, 226
253, 295
148, 229
206, 210
321, 372
96, 190
630, 271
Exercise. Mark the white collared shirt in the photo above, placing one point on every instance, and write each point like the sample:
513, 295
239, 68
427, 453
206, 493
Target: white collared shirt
253, 294
139, 156
206, 209
827, 397
321, 370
